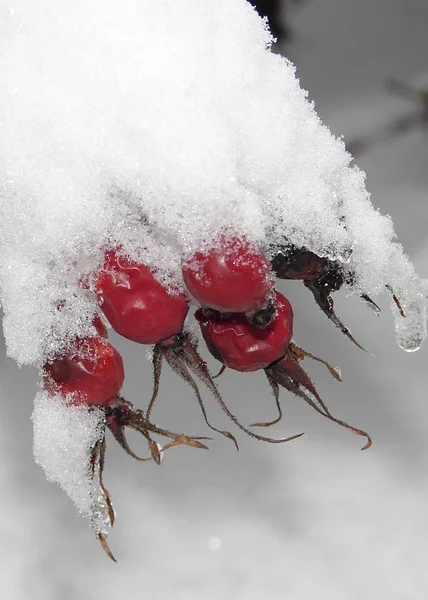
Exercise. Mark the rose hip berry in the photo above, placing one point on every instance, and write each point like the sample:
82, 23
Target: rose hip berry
91, 373
136, 305
240, 345
139, 308
233, 276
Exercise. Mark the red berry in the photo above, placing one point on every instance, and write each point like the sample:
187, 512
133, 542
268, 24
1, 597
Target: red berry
92, 372
239, 345
136, 305
234, 276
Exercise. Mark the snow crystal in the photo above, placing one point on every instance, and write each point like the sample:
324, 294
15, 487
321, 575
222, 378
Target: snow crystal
64, 436
155, 124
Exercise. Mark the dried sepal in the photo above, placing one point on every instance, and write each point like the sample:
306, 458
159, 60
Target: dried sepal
324, 300
124, 415
278, 406
220, 373
288, 373
321, 276
102, 539
175, 355
199, 367
183, 357
103, 500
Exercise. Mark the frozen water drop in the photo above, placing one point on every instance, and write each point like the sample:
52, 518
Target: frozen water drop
410, 329
414, 347
338, 371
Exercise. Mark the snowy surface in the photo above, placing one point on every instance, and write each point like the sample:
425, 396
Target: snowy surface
314, 518
157, 124
64, 437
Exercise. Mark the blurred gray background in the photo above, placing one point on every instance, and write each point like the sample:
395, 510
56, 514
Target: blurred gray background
313, 518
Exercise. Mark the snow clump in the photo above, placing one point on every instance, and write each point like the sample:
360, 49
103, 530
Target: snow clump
64, 437
155, 124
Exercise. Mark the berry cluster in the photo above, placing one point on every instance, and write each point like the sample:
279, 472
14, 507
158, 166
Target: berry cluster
247, 325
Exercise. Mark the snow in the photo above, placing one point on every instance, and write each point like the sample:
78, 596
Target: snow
155, 125
64, 436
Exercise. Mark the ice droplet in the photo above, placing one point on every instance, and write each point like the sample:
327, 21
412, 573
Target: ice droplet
410, 330
100, 519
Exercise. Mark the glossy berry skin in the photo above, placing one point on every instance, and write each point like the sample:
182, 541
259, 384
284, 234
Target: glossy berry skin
100, 327
231, 277
240, 345
136, 305
92, 372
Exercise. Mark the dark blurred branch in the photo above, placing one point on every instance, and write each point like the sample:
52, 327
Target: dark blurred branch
277, 14
406, 90
398, 126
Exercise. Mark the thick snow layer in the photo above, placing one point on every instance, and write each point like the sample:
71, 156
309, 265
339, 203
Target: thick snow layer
156, 124
63, 439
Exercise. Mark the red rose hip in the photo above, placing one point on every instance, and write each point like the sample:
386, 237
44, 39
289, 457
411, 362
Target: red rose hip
92, 372
239, 345
242, 346
136, 305
234, 276
140, 308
